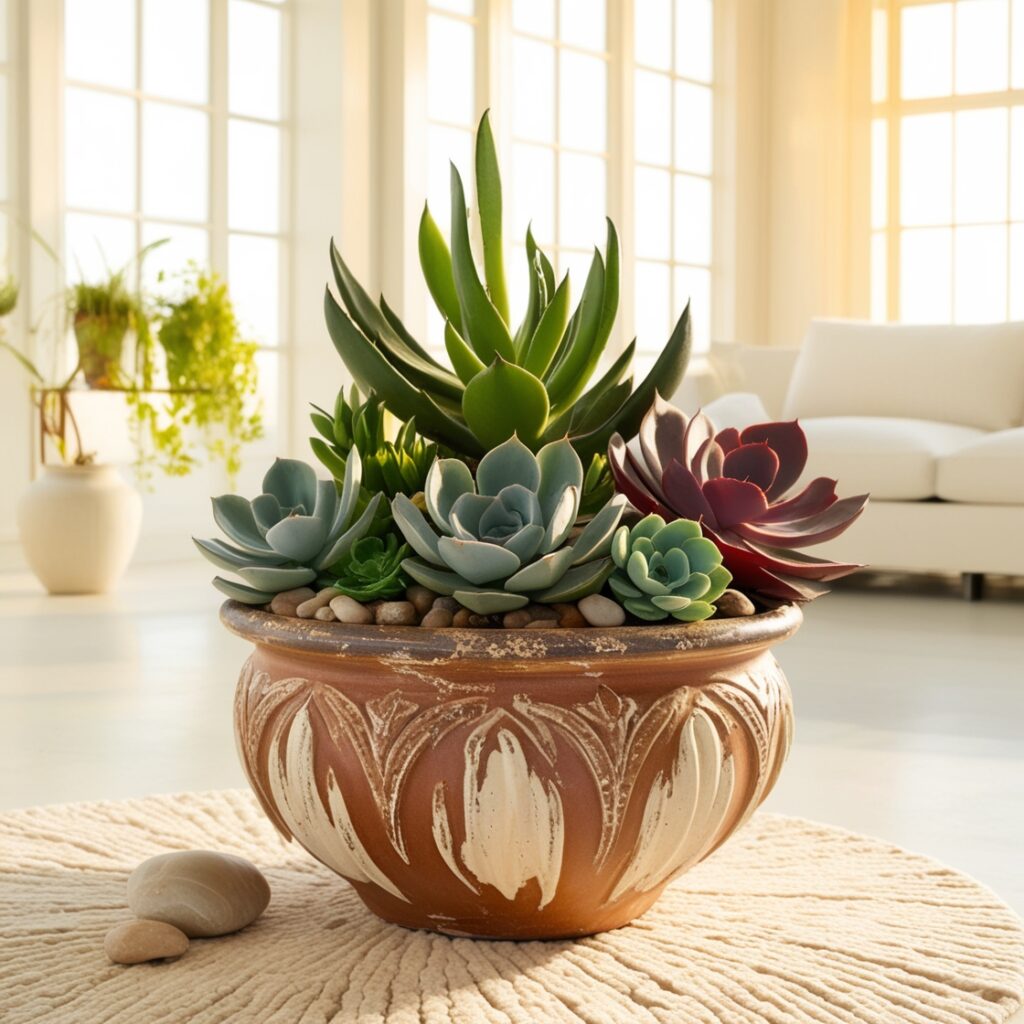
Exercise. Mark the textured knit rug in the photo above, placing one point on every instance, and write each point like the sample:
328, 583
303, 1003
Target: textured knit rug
790, 921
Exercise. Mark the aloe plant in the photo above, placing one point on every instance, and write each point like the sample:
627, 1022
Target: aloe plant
501, 541
291, 533
531, 382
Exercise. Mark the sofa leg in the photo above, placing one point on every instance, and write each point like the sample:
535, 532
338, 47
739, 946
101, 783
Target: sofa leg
973, 584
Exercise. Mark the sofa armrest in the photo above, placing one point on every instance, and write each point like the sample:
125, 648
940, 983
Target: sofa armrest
738, 409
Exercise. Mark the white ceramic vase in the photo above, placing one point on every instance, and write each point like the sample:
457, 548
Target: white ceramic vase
79, 526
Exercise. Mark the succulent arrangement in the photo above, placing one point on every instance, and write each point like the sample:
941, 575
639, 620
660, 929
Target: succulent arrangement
510, 487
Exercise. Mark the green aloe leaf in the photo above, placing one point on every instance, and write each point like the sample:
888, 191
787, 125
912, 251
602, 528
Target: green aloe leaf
536, 298
436, 263
600, 408
332, 461
482, 324
584, 344
373, 372
664, 378
541, 348
463, 358
504, 400
488, 198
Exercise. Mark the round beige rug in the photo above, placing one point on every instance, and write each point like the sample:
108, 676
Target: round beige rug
790, 921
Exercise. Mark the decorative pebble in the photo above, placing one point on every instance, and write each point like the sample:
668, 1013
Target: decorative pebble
201, 892
436, 618
396, 613
308, 609
326, 614
542, 624
601, 611
480, 621
449, 604
542, 611
517, 619
135, 942
288, 601
421, 599
461, 618
569, 616
733, 604
347, 609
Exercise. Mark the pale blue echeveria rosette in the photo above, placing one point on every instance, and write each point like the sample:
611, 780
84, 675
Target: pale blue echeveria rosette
499, 542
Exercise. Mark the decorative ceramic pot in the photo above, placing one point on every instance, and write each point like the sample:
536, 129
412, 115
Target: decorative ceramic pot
79, 526
510, 783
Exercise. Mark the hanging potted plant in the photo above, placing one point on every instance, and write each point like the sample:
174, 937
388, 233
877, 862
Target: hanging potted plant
575, 699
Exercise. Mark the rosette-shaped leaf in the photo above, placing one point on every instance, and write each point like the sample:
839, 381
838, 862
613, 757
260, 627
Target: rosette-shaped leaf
372, 569
288, 535
664, 570
501, 541
735, 484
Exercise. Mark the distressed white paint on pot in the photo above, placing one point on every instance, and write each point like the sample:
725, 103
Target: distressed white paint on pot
79, 526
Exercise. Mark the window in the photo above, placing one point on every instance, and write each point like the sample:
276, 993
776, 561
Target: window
6, 149
170, 106
948, 161
451, 115
558, 74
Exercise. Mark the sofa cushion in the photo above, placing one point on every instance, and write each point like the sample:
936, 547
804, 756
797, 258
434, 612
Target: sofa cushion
967, 374
892, 459
988, 470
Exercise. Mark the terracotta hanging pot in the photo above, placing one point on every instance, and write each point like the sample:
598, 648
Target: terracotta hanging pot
511, 784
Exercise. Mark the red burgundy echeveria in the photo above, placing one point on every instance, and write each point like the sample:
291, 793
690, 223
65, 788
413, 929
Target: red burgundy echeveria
735, 483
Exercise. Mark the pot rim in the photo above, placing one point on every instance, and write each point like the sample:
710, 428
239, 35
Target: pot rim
593, 643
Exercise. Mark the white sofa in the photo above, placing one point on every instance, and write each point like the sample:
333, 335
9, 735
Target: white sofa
928, 419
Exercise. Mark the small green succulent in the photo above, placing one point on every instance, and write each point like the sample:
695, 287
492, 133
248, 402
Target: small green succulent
372, 569
392, 467
289, 534
503, 538
667, 570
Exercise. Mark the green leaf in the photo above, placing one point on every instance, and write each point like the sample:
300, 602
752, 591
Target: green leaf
489, 602
463, 358
331, 460
373, 372
504, 400
535, 302
25, 362
664, 378
395, 322
488, 198
600, 408
324, 424
584, 345
542, 347
242, 593
578, 582
483, 326
436, 263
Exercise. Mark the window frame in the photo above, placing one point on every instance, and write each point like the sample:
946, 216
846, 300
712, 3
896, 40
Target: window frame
891, 109
494, 36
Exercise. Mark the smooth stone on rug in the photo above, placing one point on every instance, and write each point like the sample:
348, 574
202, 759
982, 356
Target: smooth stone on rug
790, 922
136, 942
201, 892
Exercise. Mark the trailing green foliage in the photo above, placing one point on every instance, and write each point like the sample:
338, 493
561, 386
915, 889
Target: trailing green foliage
212, 378
291, 533
502, 540
532, 382
667, 570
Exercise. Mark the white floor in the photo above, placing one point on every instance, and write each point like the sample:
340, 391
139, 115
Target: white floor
909, 708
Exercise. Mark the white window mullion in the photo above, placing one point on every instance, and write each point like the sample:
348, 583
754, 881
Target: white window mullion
219, 135
620, 162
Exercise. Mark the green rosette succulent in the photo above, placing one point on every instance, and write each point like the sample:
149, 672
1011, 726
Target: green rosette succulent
372, 569
393, 467
501, 541
667, 570
291, 533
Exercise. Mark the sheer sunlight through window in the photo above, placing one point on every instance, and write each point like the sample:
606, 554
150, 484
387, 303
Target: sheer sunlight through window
451, 116
947, 162
673, 167
186, 96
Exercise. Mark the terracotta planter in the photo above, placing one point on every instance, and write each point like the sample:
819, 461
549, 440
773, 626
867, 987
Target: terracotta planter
508, 783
